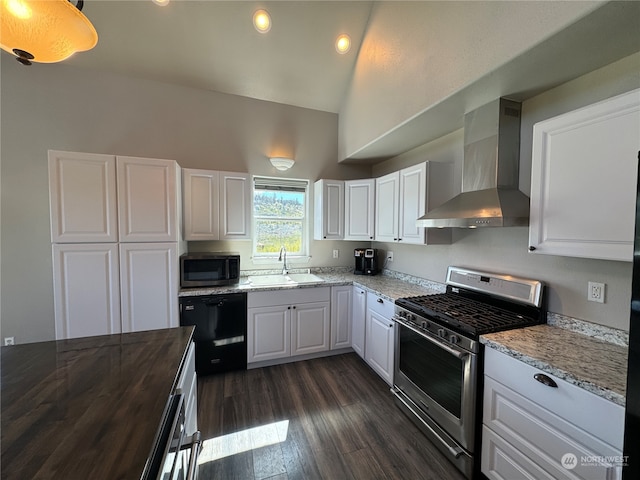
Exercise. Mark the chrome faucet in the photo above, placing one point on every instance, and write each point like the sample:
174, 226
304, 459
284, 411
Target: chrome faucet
283, 258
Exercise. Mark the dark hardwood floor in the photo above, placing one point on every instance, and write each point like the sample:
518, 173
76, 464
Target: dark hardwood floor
328, 418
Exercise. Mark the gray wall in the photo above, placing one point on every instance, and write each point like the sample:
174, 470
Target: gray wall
505, 249
64, 108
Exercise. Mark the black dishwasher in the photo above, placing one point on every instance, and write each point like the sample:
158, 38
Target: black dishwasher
221, 330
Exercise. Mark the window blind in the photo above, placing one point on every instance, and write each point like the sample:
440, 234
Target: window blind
282, 184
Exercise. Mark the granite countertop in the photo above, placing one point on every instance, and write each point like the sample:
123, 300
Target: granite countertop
89, 407
390, 286
595, 365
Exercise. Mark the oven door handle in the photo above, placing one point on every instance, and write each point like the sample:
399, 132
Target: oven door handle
196, 443
456, 353
455, 451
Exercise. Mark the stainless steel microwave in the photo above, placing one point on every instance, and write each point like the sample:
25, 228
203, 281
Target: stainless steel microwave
209, 269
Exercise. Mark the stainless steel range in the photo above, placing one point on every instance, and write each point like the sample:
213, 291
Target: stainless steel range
439, 359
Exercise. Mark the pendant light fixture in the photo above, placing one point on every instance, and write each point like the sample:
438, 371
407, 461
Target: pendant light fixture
44, 31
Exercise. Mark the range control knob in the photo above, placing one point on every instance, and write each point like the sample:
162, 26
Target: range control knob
424, 324
411, 317
455, 339
402, 314
442, 333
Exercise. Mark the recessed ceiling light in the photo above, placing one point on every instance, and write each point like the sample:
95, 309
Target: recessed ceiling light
343, 44
262, 21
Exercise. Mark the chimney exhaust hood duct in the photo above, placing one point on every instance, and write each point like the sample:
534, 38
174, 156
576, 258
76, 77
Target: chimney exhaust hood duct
490, 196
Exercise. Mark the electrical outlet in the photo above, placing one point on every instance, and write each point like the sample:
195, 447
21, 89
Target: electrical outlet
336, 253
390, 256
9, 341
596, 292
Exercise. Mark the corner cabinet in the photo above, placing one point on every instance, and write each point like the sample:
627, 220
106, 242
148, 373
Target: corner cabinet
379, 336
583, 181
404, 196
328, 208
359, 206
533, 430
217, 205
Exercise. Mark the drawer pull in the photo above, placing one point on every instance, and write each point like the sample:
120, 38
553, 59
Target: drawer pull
542, 378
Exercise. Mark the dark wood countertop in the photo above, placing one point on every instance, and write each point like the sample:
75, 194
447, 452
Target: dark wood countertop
86, 408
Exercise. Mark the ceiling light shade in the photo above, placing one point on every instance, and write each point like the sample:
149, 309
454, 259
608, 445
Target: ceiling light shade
282, 163
162, 3
343, 44
262, 21
44, 31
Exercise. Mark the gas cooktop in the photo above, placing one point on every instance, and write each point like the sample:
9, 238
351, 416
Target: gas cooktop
477, 303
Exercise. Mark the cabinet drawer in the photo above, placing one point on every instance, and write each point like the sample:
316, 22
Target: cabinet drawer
596, 416
543, 437
380, 305
288, 297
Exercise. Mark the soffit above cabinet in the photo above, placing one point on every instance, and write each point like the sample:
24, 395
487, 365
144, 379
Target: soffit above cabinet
604, 36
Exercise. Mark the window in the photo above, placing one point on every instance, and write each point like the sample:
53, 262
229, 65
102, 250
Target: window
280, 216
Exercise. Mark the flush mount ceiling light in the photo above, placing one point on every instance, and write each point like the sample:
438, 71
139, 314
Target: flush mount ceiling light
44, 31
262, 21
282, 163
343, 44
162, 3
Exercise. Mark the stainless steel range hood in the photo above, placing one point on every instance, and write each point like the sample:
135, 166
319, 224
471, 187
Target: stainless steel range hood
490, 195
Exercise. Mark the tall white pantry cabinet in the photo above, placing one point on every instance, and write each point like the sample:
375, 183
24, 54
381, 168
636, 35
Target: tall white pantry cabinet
116, 237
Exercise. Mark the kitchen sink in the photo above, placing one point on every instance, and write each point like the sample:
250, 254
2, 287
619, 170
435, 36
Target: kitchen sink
283, 280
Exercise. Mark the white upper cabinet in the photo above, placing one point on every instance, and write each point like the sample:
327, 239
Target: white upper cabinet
403, 197
359, 205
201, 190
328, 218
583, 182
82, 190
235, 206
147, 199
386, 209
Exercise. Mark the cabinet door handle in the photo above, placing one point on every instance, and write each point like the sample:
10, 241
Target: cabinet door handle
545, 380
380, 300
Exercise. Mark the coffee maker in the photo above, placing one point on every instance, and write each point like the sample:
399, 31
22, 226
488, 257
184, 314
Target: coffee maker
366, 261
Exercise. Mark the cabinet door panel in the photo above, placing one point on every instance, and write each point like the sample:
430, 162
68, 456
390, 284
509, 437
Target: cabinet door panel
86, 290
386, 214
201, 204
341, 317
328, 221
147, 200
310, 328
149, 282
268, 333
583, 182
82, 195
359, 209
235, 204
379, 345
358, 320
413, 197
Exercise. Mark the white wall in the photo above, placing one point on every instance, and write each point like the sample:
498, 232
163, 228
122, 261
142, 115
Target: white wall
504, 250
415, 54
65, 108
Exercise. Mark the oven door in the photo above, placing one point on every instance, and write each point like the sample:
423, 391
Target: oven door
440, 379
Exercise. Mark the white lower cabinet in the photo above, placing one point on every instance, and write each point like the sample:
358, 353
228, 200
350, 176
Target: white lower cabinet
379, 336
341, 299
149, 286
86, 289
358, 317
287, 323
535, 431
